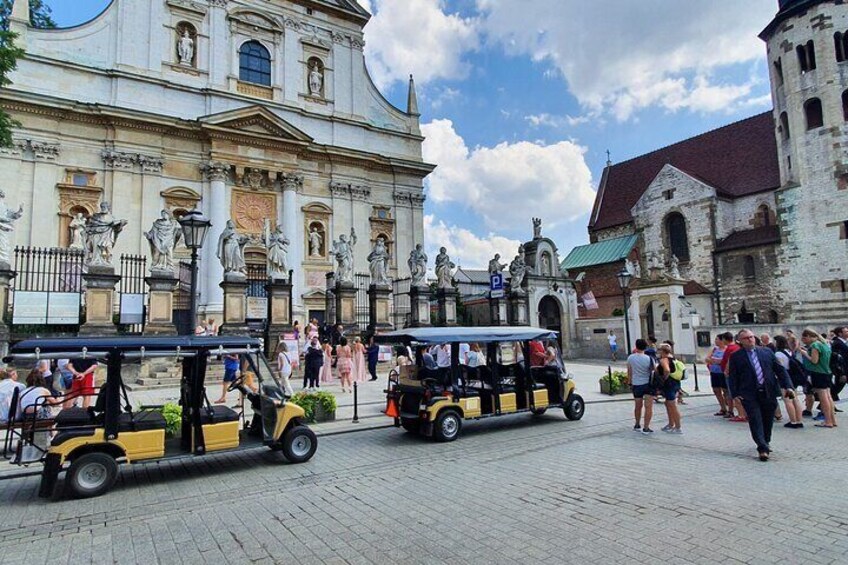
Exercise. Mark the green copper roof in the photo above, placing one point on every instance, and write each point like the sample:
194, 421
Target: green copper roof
600, 253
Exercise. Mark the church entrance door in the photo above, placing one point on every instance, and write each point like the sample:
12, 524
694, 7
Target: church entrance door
550, 315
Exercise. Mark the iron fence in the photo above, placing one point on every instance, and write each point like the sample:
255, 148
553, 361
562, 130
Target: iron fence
46, 294
181, 311
401, 305
330, 299
361, 282
133, 294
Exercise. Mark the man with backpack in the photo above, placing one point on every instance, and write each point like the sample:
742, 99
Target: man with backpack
839, 361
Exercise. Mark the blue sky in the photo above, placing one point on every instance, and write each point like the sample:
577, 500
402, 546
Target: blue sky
521, 99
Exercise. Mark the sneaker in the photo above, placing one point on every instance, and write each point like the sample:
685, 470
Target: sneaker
835, 409
807, 413
647, 431
667, 428
637, 428
676, 431
819, 417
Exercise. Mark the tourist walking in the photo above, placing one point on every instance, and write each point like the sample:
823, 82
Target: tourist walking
794, 410
83, 384
344, 363
755, 376
839, 361
718, 380
231, 369
327, 367
816, 355
613, 345
313, 361
640, 368
284, 365
359, 366
732, 347
671, 373
373, 354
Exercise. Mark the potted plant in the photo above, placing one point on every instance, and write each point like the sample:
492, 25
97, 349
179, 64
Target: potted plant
319, 406
618, 383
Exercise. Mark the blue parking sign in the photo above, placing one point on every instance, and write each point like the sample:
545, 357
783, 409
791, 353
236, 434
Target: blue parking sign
496, 285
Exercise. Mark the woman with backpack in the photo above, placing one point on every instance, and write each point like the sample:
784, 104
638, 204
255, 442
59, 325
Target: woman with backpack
796, 373
816, 354
669, 374
717, 379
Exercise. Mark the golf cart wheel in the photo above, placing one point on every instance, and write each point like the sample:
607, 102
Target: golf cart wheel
411, 425
91, 474
299, 444
539, 411
574, 407
447, 426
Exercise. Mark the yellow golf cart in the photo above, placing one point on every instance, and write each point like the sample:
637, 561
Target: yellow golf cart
517, 369
90, 443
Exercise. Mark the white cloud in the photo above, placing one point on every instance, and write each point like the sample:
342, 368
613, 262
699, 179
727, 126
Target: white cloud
547, 120
418, 37
465, 248
508, 184
622, 56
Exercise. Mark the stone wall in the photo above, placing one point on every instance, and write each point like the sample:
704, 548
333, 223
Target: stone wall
591, 338
757, 289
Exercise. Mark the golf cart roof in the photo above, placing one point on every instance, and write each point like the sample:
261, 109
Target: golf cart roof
465, 335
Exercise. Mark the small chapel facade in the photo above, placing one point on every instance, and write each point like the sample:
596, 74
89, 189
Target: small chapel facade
259, 112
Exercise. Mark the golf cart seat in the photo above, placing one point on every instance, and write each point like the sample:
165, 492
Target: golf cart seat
141, 421
218, 414
74, 417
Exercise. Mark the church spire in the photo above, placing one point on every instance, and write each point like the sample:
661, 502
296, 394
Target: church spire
412, 99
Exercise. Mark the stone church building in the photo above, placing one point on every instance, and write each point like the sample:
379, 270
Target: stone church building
246, 109
755, 213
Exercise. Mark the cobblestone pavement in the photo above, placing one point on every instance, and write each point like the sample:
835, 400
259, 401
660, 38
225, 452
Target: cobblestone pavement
509, 490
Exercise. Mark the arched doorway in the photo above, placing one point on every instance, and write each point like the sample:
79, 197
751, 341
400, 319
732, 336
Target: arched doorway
550, 314
655, 321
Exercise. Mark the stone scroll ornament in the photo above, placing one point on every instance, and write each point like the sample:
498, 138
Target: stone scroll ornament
8, 217
343, 252
278, 254
444, 269
101, 233
163, 237
378, 263
417, 265
231, 251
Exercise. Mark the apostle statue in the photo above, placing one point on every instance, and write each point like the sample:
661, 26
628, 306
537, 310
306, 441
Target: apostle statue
417, 264
315, 241
316, 80
278, 254
674, 267
101, 232
495, 265
444, 269
537, 228
231, 250
378, 263
185, 49
633, 268
517, 270
8, 217
163, 237
77, 229
343, 252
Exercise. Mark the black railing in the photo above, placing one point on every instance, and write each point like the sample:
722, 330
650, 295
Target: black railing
401, 306
361, 281
182, 300
133, 294
46, 293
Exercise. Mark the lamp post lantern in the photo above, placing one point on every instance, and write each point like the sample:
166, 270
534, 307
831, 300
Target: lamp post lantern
195, 227
624, 277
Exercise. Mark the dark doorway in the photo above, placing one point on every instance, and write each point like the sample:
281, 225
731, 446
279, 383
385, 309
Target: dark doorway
550, 317
317, 315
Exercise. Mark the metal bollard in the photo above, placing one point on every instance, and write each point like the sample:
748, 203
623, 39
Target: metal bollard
609, 376
695, 369
355, 403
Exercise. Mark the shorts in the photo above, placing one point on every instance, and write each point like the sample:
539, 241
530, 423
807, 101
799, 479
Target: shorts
671, 388
230, 375
643, 390
820, 380
718, 380
83, 386
613, 347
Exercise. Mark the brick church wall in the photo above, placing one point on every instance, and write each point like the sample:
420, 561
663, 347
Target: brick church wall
757, 290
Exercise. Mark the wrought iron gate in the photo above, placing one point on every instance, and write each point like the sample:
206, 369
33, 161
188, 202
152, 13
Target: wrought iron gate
133, 294
182, 301
47, 291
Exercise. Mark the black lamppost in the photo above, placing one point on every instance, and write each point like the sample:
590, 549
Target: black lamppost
195, 227
624, 277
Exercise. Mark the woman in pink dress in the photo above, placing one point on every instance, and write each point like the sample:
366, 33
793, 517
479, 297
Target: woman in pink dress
327, 367
359, 366
344, 363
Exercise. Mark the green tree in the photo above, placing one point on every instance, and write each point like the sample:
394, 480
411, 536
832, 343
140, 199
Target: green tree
39, 15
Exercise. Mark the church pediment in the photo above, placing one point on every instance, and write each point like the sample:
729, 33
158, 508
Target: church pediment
254, 121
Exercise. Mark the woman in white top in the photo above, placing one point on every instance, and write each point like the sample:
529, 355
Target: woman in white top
285, 367
475, 356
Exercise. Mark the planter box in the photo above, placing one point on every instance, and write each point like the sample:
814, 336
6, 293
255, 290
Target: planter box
322, 416
605, 387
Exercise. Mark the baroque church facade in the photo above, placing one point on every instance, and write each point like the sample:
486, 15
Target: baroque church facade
754, 213
253, 111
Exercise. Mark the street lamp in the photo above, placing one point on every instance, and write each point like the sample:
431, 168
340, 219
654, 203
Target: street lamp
195, 227
624, 277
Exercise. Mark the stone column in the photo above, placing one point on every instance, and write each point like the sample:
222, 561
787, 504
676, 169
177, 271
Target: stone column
518, 310
235, 306
292, 184
279, 308
498, 311
100, 285
378, 308
45, 174
6, 276
447, 306
419, 306
219, 212
345, 304
160, 308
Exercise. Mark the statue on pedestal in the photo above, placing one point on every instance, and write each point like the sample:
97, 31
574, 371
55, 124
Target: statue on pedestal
77, 229
316, 80
185, 49
315, 240
417, 265
444, 269
231, 250
378, 262
163, 237
8, 217
101, 232
633, 268
343, 251
517, 270
537, 228
278, 254
495, 265
674, 267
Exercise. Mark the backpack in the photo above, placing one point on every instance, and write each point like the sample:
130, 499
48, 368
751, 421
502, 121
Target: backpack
796, 370
838, 367
679, 371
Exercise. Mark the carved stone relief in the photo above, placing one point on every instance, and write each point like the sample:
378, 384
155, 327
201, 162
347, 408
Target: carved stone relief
250, 209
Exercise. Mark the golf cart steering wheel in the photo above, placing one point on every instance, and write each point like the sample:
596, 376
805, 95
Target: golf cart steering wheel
236, 384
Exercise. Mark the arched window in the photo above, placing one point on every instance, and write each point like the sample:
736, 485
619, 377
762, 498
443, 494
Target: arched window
749, 270
255, 63
773, 318
840, 45
678, 241
813, 111
806, 56
778, 71
763, 216
784, 126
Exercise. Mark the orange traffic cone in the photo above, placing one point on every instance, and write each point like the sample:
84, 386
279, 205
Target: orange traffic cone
392, 409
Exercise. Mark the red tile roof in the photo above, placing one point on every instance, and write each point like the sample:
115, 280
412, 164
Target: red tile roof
767, 235
738, 159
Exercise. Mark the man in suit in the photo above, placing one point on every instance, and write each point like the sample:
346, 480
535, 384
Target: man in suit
755, 377
839, 345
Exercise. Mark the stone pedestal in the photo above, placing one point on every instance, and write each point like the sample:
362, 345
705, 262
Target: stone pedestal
100, 285
345, 304
518, 311
378, 308
6, 276
419, 306
235, 307
446, 298
498, 311
160, 305
279, 308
